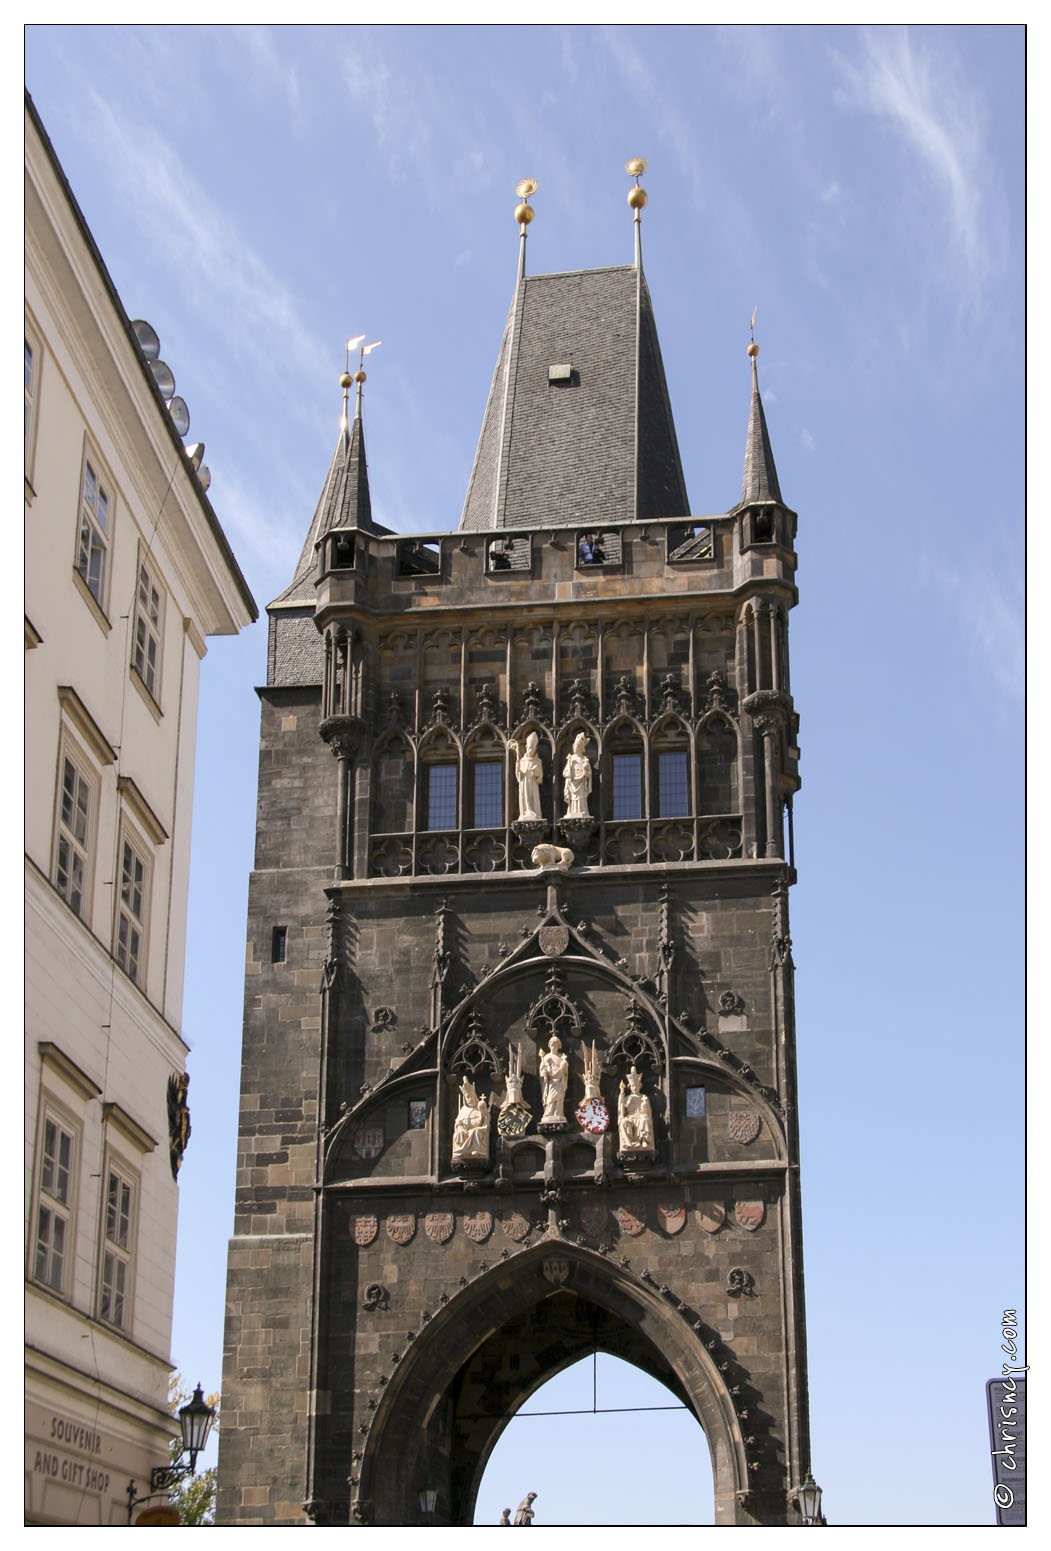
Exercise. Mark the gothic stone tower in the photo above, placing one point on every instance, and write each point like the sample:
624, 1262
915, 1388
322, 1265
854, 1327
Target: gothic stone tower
427, 1226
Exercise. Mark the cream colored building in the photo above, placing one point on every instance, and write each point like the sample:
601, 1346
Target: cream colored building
127, 573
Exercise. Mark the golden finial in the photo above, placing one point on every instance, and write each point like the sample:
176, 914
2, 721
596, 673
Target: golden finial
637, 196
524, 212
753, 348
357, 343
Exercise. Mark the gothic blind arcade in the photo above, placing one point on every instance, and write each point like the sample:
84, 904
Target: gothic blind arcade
518, 1065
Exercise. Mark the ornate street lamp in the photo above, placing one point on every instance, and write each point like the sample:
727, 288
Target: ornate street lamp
195, 1421
809, 1500
428, 1497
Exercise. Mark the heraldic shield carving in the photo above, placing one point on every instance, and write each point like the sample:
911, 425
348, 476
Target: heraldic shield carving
553, 940
593, 1220
364, 1229
672, 1216
439, 1226
556, 1271
368, 1142
478, 1226
593, 1116
744, 1125
711, 1215
749, 1214
402, 1228
631, 1222
515, 1225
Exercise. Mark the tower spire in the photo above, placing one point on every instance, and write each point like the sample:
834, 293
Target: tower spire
760, 476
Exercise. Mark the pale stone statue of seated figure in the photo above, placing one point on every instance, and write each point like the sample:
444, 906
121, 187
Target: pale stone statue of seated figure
634, 1116
471, 1131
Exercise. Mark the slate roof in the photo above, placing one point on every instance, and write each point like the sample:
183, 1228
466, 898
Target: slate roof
344, 503
596, 447
760, 476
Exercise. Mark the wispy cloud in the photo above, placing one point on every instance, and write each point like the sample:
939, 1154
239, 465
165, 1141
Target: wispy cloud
984, 606
424, 129
200, 246
914, 83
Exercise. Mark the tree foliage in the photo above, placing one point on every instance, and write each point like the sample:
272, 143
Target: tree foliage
194, 1496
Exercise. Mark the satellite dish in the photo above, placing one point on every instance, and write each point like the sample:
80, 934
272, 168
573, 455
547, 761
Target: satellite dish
180, 414
204, 474
162, 376
149, 344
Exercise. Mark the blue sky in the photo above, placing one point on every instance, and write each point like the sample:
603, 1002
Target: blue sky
261, 194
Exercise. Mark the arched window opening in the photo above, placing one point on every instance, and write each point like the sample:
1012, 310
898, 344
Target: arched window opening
484, 782
441, 797
626, 787
671, 771
620, 1449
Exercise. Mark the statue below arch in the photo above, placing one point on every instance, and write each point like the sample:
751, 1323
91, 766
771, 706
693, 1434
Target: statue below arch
554, 1079
529, 773
634, 1116
577, 778
471, 1130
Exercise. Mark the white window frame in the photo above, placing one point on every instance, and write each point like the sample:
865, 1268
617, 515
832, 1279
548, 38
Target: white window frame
67, 838
48, 1200
147, 634
95, 512
118, 1233
131, 918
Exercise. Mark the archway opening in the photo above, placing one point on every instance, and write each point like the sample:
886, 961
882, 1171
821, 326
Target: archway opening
601, 1443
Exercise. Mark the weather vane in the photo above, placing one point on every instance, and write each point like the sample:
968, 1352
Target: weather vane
357, 343
637, 196
753, 348
524, 212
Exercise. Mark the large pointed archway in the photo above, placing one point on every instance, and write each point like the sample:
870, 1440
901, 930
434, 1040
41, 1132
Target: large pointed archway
602, 1444
496, 1342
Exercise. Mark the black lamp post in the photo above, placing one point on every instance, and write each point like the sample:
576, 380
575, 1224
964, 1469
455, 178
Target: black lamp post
809, 1500
195, 1420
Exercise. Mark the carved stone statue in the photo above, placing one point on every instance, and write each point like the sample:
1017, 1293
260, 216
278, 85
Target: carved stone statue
591, 1112
471, 1131
577, 777
554, 1078
515, 1114
505, 1516
529, 773
525, 1507
592, 1073
634, 1116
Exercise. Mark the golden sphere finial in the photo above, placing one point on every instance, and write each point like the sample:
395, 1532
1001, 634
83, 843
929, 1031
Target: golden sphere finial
637, 196
360, 376
524, 212
346, 380
753, 349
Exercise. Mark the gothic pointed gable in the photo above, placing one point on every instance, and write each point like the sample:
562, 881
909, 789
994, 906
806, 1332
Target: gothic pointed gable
578, 426
760, 476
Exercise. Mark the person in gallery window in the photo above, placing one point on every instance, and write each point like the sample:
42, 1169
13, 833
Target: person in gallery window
589, 550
